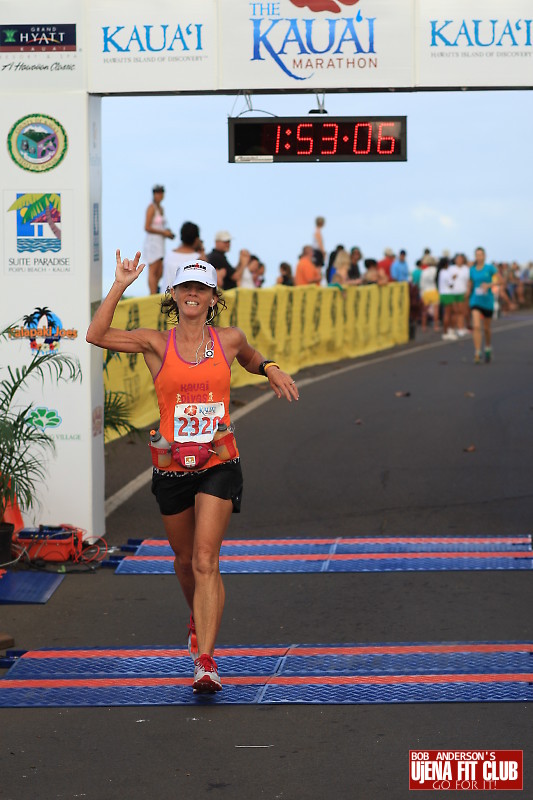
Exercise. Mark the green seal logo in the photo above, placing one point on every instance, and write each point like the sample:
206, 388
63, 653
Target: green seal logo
37, 143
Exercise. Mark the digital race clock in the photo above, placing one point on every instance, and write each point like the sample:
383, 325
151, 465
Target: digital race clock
277, 139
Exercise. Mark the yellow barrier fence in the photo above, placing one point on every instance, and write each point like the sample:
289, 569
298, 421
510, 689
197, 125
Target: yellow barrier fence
297, 327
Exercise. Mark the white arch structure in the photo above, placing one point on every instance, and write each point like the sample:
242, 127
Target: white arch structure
58, 59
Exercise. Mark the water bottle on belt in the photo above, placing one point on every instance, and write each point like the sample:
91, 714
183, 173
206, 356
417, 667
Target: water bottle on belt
160, 450
224, 443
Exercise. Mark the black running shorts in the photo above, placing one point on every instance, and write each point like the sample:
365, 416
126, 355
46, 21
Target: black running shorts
176, 491
487, 312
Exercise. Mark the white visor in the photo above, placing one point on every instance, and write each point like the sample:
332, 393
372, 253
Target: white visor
199, 271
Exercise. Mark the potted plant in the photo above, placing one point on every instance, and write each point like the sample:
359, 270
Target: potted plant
23, 443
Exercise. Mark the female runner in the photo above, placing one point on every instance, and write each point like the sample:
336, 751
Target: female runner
198, 490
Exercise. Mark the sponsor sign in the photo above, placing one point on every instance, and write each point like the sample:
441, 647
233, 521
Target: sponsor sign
465, 770
478, 43
163, 47
43, 329
34, 237
42, 417
302, 45
37, 38
316, 44
37, 143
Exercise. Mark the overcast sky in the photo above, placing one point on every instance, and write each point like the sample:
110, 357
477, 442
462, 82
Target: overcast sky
467, 180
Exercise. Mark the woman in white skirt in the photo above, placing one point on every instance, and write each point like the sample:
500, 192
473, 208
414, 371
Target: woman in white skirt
157, 231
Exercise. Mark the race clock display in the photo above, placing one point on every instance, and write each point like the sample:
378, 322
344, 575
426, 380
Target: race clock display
305, 139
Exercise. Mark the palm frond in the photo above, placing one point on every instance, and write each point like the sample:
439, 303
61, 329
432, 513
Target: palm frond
23, 449
23, 446
110, 355
56, 366
26, 200
117, 413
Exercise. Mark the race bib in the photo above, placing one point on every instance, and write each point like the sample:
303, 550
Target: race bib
197, 422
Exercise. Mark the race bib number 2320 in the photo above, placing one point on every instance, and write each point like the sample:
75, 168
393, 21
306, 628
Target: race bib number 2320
197, 422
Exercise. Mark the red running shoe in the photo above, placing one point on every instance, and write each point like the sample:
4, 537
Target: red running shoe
192, 641
206, 677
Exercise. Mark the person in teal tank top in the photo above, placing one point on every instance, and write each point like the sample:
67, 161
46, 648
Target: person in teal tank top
483, 276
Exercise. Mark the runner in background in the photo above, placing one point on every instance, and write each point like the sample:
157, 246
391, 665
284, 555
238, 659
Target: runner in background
197, 478
482, 278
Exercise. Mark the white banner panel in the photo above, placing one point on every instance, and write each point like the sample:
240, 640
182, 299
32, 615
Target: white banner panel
482, 43
163, 46
47, 233
41, 46
316, 44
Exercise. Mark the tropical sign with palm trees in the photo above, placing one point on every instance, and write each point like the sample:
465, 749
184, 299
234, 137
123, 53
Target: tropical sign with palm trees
43, 329
38, 218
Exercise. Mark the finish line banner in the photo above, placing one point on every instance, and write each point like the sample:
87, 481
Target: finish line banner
297, 327
466, 770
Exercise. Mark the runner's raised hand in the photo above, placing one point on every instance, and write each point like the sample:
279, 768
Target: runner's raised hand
128, 270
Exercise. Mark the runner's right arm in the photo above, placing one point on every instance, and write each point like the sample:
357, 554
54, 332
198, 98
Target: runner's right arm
100, 331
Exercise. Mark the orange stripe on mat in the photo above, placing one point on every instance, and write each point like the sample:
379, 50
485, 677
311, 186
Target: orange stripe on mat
155, 653
351, 556
363, 540
260, 680
279, 651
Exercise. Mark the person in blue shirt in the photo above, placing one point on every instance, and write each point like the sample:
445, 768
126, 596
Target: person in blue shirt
481, 300
399, 270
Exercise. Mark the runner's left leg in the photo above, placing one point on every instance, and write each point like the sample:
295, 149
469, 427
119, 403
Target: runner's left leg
487, 327
180, 531
212, 518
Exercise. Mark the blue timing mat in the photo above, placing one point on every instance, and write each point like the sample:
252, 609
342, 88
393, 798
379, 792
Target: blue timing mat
363, 554
28, 586
377, 673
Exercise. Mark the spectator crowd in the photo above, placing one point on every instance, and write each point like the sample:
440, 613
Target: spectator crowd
439, 287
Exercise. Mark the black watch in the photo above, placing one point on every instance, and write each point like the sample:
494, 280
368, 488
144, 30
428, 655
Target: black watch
262, 366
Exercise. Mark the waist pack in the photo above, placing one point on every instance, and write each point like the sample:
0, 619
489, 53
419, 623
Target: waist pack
191, 455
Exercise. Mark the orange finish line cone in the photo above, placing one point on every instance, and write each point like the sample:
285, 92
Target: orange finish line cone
12, 514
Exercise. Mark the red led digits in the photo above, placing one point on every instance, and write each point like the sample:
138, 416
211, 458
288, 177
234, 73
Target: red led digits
278, 135
366, 149
304, 139
382, 139
332, 138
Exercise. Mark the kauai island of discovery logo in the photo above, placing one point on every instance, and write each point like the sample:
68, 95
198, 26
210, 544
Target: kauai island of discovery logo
38, 216
43, 329
301, 46
37, 143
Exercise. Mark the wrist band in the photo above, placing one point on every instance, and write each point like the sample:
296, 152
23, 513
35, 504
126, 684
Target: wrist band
265, 365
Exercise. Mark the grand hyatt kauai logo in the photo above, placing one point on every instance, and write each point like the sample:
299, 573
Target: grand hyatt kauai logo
38, 217
43, 330
328, 39
37, 143
37, 38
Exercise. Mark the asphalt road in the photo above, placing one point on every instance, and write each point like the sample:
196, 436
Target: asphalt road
351, 458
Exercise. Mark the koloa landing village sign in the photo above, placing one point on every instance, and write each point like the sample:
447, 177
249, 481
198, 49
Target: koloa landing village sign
58, 58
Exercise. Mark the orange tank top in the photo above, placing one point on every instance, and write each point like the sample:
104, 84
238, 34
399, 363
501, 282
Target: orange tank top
180, 383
